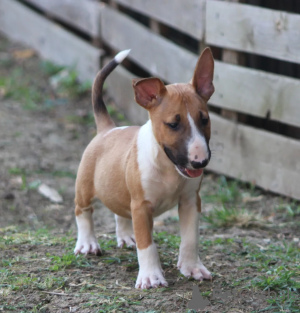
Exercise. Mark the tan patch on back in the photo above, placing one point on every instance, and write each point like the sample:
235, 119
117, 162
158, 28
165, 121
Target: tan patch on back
113, 157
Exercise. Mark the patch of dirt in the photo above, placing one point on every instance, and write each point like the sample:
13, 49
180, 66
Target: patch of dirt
44, 145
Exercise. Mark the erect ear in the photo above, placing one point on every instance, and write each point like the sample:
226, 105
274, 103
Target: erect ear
148, 91
204, 74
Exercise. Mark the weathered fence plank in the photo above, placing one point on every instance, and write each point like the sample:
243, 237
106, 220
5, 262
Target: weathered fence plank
253, 29
187, 17
269, 160
237, 88
83, 15
50, 40
257, 93
152, 52
232, 57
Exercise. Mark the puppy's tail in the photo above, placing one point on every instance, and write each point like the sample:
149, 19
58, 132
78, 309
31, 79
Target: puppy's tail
102, 117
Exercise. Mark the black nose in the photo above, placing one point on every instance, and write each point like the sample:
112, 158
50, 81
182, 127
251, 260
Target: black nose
199, 164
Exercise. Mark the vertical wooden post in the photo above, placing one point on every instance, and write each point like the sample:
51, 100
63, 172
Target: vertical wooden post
231, 57
154, 25
113, 4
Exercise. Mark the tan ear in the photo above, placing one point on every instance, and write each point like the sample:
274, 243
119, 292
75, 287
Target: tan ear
204, 74
148, 91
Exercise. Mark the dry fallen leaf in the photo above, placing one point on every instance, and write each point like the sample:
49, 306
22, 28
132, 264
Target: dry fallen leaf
158, 223
261, 247
50, 193
16, 181
122, 286
23, 54
249, 199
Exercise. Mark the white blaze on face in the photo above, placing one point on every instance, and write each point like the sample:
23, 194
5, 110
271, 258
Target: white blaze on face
197, 146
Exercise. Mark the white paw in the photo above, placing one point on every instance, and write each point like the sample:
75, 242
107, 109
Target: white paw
87, 245
194, 269
127, 240
124, 232
148, 279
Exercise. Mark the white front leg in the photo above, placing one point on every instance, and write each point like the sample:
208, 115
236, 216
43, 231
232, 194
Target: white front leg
150, 272
189, 262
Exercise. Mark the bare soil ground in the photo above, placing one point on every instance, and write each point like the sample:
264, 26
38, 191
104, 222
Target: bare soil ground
249, 239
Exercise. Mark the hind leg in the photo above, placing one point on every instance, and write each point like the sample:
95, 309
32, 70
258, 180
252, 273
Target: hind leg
86, 239
124, 232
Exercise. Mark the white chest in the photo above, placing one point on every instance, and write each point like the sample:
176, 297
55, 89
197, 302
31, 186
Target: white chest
161, 183
162, 190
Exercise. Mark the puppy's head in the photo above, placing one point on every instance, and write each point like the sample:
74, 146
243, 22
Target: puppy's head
179, 116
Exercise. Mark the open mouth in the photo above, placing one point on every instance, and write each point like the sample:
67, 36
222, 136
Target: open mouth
189, 173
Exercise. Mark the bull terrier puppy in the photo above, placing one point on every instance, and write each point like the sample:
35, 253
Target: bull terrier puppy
141, 172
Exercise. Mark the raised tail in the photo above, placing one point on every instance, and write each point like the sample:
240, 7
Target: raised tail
102, 117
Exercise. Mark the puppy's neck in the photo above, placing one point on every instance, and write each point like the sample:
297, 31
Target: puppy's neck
150, 150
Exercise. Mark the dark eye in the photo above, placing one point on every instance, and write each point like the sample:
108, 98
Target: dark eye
173, 126
204, 119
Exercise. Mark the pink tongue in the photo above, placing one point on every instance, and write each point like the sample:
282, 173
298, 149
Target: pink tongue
194, 173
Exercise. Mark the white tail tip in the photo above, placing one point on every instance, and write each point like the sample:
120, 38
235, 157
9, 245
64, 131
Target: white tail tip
122, 55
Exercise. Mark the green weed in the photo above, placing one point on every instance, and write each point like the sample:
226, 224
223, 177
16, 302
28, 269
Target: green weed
114, 113
50, 68
16, 171
50, 282
87, 119
279, 273
33, 185
66, 79
14, 282
12, 236
111, 304
168, 240
107, 244
67, 261
227, 192
22, 173
63, 174
67, 84
289, 209
228, 217
17, 87
278, 278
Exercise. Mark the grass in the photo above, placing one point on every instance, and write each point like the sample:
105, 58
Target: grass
50, 68
228, 217
83, 120
65, 80
228, 212
289, 209
279, 271
270, 269
34, 184
67, 260
17, 87
68, 84
235, 204
50, 266
115, 114
227, 191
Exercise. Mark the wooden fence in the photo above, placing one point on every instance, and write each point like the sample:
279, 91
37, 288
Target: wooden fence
255, 110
